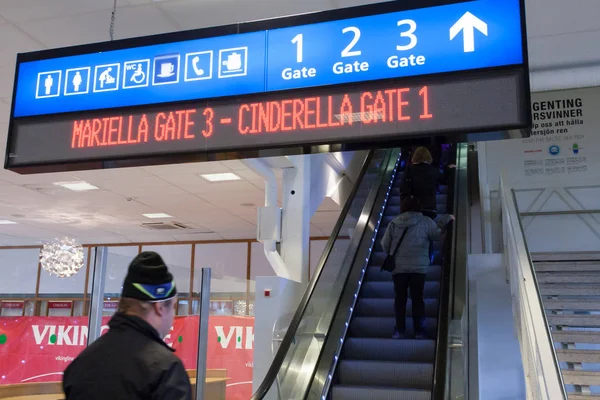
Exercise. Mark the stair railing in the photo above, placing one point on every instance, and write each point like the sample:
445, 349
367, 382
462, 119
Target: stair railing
543, 378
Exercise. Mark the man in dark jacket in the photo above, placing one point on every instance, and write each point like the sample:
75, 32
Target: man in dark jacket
131, 361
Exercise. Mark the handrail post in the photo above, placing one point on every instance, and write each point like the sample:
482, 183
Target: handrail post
203, 333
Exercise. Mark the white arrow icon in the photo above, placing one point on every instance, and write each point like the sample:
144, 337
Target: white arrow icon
468, 23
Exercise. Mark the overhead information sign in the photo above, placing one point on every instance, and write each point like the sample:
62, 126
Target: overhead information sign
328, 78
449, 38
374, 111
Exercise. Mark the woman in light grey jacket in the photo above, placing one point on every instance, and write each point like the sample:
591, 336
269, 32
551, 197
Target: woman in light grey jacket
411, 260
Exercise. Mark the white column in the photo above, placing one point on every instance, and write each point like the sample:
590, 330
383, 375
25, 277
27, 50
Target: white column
295, 234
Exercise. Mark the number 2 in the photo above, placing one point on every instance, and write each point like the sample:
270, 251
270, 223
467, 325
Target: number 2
410, 33
347, 52
297, 40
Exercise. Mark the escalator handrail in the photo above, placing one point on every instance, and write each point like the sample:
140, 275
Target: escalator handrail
336, 356
288, 338
448, 259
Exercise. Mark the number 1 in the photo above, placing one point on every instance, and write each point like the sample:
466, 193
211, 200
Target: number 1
297, 40
424, 93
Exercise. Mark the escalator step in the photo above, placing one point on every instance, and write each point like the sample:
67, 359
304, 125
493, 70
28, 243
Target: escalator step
386, 373
393, 201
389, 350
346, 392
385, 289
374, 273
385, 308
392, 210
383, 327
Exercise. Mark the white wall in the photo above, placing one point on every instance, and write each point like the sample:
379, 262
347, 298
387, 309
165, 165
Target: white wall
19, 270
550, 173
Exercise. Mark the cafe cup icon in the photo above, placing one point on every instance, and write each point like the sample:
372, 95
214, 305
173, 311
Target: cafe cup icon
233, 62
167, 69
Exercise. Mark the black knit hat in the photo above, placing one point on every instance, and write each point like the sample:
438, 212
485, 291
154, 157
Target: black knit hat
149, 279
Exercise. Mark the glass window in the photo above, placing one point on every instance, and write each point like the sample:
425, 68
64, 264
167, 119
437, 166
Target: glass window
38, 346
231, 330
19, 269
316, 251
179, 260
229, 264
119, 258
64, 296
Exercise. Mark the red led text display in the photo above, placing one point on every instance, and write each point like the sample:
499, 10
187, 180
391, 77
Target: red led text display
363, 113
271, 117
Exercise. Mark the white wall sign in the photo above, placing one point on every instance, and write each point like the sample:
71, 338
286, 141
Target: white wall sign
553, 170
564, 143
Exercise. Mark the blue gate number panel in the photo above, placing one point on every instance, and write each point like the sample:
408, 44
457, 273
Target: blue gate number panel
450, 38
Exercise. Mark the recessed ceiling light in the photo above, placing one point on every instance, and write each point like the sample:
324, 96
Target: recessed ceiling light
77, 186
6, 222
157, 215
227, 176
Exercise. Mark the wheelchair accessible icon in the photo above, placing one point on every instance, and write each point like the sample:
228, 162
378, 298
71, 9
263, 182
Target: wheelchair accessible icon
136, 74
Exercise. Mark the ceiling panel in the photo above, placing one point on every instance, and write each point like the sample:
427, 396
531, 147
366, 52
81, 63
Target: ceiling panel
556, 17
112, 173
15, 40
184, 237
187, 168
190, 16
94, 26
206, 190
29, 10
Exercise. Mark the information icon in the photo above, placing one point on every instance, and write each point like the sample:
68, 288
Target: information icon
198, 66
233, 62
136, 74
48, 84
77, 81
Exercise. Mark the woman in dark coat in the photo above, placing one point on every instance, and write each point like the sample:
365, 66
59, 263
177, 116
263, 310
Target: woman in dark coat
421, 180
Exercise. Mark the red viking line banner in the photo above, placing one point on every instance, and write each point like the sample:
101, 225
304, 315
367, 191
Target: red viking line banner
38, 349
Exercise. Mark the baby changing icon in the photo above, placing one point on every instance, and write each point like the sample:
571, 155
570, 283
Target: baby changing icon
106, 77
233, 62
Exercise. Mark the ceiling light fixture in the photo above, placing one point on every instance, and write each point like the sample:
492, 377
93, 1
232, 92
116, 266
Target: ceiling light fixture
62, 257
77, 186
227, 176
157, 215
7, 222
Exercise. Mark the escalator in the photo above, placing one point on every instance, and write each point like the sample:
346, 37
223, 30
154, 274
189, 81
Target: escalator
338, 345
372, 364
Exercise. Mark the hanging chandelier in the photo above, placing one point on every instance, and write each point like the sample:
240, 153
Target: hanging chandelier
62, 257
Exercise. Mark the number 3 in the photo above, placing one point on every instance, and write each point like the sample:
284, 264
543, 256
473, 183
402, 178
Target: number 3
410, 33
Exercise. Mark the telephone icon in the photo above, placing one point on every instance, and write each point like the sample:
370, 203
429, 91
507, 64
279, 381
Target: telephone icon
198, 66
199, 71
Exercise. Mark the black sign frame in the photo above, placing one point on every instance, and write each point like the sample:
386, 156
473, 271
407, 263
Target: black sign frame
264, 150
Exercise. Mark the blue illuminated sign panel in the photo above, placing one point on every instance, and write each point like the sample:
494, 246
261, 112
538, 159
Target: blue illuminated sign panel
450, 38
